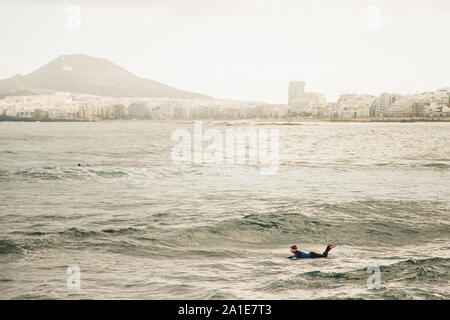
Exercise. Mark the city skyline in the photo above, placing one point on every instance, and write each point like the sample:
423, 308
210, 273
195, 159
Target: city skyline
364, 47
304, 85
81, 87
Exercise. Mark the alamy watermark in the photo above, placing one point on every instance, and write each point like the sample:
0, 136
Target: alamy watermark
73, 21
374, 19
229, 147
374, 280
73, 277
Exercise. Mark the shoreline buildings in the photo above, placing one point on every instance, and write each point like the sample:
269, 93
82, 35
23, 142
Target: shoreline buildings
303, 103
69, 106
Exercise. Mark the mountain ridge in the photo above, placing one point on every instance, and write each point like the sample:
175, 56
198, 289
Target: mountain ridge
81, 73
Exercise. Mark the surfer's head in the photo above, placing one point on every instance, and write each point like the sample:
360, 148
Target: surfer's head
293, 248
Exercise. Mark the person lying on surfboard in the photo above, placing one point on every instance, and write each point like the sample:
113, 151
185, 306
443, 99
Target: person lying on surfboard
297, 254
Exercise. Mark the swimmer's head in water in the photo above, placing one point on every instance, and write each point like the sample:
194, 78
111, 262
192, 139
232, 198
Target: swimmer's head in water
293, 248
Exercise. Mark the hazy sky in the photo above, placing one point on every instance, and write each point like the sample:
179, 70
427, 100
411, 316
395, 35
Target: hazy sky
241, 49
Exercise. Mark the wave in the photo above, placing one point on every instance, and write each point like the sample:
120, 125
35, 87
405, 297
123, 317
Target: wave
348, 164
359, 223
62, 173
410, 269
438, 165
134, 241
411, 275
79, 233
8, 246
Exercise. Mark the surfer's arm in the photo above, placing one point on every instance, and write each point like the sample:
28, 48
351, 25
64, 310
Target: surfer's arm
292, 257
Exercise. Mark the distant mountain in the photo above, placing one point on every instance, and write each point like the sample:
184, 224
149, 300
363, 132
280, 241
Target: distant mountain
80, 73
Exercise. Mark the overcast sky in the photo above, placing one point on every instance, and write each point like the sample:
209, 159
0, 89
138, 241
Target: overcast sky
241, 49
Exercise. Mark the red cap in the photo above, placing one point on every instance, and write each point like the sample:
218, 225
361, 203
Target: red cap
294, 247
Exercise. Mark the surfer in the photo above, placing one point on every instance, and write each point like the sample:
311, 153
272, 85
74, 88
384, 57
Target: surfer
297, 254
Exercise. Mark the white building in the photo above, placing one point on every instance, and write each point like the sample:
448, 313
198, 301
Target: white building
354, 105
418, 105
308, 102
384, 101
295, 88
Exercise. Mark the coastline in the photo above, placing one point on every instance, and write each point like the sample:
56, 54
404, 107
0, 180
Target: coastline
292, 121
16, 119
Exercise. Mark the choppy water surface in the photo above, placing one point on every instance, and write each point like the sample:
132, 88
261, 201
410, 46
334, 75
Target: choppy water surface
139, 226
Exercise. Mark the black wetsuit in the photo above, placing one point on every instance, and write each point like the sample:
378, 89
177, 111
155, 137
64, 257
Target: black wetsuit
312, 255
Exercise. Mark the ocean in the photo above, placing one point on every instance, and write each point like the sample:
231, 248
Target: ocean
129, 223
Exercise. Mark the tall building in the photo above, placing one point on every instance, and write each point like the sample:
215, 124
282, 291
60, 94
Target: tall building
384, 101
139, 110
352, 105
308, 102
447, 92
295, 89
178, 112
119, 111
